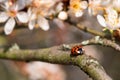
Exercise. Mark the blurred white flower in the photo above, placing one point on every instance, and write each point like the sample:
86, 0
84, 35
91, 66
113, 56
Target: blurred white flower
83, 4
97, 6
46, 7
79, 13
37, 20
94, 6
59, 7
110, 20
55, 9
40, 9
23, 3
116, 4
63, 15
10, 14
106, 2
44, 71
78, 7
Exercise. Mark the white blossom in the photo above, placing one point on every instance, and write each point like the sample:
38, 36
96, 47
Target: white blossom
116, 4
44, 71
41, 9
101, 20
10, 14
79, 13
97, 6
93, 6
37, 20
78, 7
110, 20
43, 23
63, 15
9, 26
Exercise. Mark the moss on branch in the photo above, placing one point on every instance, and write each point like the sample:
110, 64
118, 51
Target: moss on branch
58, 56
101, 41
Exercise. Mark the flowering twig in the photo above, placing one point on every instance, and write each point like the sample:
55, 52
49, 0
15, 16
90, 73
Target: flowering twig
102, 41
57, 55
92, 31
86, 29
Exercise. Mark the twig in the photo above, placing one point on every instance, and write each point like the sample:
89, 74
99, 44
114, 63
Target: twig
86, 29
92, 31
101, 41
57, 55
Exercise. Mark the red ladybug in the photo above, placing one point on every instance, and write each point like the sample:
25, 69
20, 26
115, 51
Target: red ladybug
77, 50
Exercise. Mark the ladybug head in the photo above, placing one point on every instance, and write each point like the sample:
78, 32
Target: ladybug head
80, 51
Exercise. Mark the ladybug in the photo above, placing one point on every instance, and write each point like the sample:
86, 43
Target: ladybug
77, 50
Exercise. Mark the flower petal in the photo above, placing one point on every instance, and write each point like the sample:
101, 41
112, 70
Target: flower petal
33, 16
9, 26
79, 13
22, 17
63, 15
84, 4
59, 7
101, 20
95, 2
43, 23
31, 24
90, 11
3, 17
5, 5
20, 4
28, 2
29, 11
112, 13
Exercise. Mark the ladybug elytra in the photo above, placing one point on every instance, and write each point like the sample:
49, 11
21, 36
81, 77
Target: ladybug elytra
77, 50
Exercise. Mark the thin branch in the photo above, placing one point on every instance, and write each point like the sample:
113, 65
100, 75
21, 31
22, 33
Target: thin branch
57, 55
86, 29
92, 31
101, 41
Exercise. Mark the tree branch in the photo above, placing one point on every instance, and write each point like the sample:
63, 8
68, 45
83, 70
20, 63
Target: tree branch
57, 55
86, 29
102, 41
